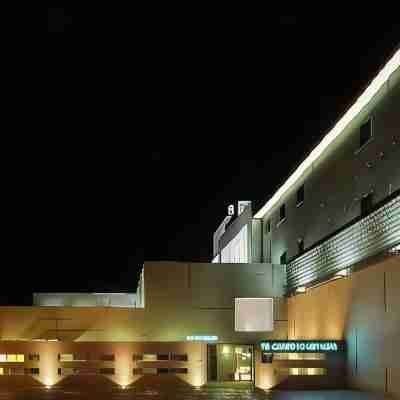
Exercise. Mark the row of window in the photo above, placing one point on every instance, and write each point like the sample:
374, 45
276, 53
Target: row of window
77, 371
19, 371
160, 357
84, 357
111, 371
14, 358
365, 137
282, 210
300, 371
299, 356
158, 371
366, 207
20, 358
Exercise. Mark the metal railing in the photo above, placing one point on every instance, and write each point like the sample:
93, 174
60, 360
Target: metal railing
376, 233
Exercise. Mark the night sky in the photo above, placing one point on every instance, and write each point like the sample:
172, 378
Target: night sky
162, 120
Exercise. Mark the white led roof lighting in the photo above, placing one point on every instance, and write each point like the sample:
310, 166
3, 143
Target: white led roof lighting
337, 130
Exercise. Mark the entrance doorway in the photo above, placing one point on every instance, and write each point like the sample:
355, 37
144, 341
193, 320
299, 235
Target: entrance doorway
230, 363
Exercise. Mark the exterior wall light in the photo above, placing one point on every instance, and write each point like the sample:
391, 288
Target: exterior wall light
301, 289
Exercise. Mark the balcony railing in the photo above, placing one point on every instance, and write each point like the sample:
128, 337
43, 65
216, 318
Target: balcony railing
366, 237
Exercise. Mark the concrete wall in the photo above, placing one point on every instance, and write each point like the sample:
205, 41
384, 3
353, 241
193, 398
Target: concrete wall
363, 309
335, 184
181, 299
127, 300
199, 298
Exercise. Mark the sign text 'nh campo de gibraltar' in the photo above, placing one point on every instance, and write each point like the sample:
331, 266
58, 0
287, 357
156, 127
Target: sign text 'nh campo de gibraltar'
302, 346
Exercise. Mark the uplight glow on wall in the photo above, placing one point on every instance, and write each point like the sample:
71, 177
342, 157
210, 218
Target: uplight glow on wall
254, 314
338, 129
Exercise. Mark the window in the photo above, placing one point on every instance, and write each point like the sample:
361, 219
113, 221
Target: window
13, 358
137, 357
366, 132
20, 358
137, 371
268, 226
149, 371
162, 370
107, 371
300, 196
178, 370
59, 371
366, 204
179, 357
107, 357
32, 371
149, 357
283, 260
34, 357
282, 213
65, 357
162, 357
300, 245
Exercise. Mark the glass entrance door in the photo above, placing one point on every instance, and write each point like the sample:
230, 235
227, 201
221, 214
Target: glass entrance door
230, 363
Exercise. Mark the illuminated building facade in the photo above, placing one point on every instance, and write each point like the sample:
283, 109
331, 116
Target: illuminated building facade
306, 291
334, 225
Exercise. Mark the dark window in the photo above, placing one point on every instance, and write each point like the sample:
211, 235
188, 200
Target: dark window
300, 245
282, 212
162, 357
283, 258
179, 357
32, 371
365, 132
366, 204
59, 371
268, 226
107, 357
137, 371
178, 370
107, 371
300, 195
34, 357
137, 357
162, 370
267, 358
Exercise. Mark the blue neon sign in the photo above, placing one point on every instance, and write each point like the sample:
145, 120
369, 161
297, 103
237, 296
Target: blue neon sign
302, 346
201, 338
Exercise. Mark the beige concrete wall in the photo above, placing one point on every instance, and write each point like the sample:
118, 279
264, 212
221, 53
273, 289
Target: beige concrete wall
181, 300
363, 309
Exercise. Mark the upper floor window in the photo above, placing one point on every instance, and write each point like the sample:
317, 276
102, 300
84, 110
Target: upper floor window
107, 357
268, 226
366, 204
282, 213
179, 357
283, 259
300, 244
366, 132
300, 196
34, 357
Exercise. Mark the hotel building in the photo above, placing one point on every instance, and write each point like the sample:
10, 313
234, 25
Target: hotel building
302, 293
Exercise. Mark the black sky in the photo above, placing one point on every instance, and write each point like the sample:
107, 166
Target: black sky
157, 120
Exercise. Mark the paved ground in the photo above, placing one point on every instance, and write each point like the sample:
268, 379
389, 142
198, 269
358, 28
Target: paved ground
179, 394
